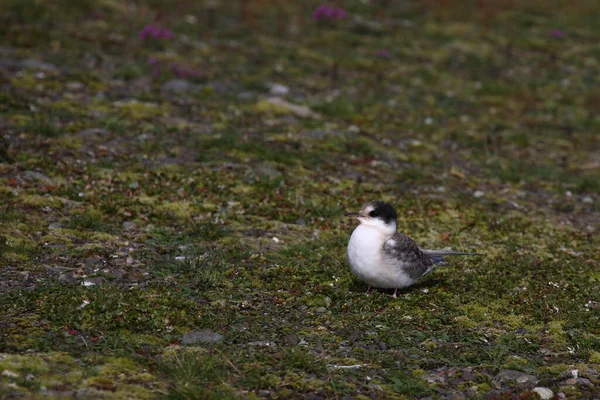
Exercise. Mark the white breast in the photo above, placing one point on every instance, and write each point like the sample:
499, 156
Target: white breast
365, 255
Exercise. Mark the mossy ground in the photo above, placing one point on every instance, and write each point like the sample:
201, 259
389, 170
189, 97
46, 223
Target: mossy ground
136, 208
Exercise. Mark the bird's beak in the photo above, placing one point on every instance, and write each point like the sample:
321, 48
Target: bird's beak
352, 214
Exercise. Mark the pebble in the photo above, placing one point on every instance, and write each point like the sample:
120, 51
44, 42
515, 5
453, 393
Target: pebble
544, 393
266, 343
570, 373
278, 89
203, 336
92, 261
373, 386
177, 86
508, 375
31, 176
129, 225
92, 281
580, 382
39, 65
9, 374
74, 86
298, 110
292, 339
321, 310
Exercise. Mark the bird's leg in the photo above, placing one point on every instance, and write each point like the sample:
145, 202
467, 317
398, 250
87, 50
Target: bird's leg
395, 292
369, 290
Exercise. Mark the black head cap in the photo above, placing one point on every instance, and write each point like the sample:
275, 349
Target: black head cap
382, 210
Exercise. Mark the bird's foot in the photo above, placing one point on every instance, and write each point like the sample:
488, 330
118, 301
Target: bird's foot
395, 295
369, 290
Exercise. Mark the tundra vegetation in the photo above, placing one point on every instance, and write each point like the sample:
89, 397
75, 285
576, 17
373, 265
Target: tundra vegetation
173, 177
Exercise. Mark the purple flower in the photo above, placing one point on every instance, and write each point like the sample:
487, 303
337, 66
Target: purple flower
383, 53
155, 32
340, 13
557, 33
153, 61
325, 11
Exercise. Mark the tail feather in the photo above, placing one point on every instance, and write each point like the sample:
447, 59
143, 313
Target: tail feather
443, 253
438, 256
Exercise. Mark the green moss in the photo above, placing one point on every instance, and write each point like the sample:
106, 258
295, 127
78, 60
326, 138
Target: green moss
594, 357
556, 332
238, 202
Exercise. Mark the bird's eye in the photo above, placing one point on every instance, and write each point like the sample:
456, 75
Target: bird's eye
373, 213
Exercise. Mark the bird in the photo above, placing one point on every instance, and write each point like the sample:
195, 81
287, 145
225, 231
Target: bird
384, 258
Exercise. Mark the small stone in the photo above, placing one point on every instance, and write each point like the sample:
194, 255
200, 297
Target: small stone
478, 194
177, 86
318, 345
280, 105
92, 281
382, 346
353, 129
39, 65
301, 221
434, 378
68, 278
570, 373
508, 375
264, 393
33, 176
134, 185
321, 310
56, 269
55, 245
292, 339
129, 225
54, 225
9, 374
266, 343
74, 86
584, 382
90, 262
587, 200
116, 273
278, 89
203, 336
373, 386
467, 375
132, 276
543, 393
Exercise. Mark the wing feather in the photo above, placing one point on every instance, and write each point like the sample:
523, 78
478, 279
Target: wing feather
404, 250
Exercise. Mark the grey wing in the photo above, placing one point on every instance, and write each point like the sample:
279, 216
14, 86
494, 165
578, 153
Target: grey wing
403, 249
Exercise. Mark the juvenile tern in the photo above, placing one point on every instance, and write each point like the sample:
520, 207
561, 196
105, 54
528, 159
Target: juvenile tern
384, 258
